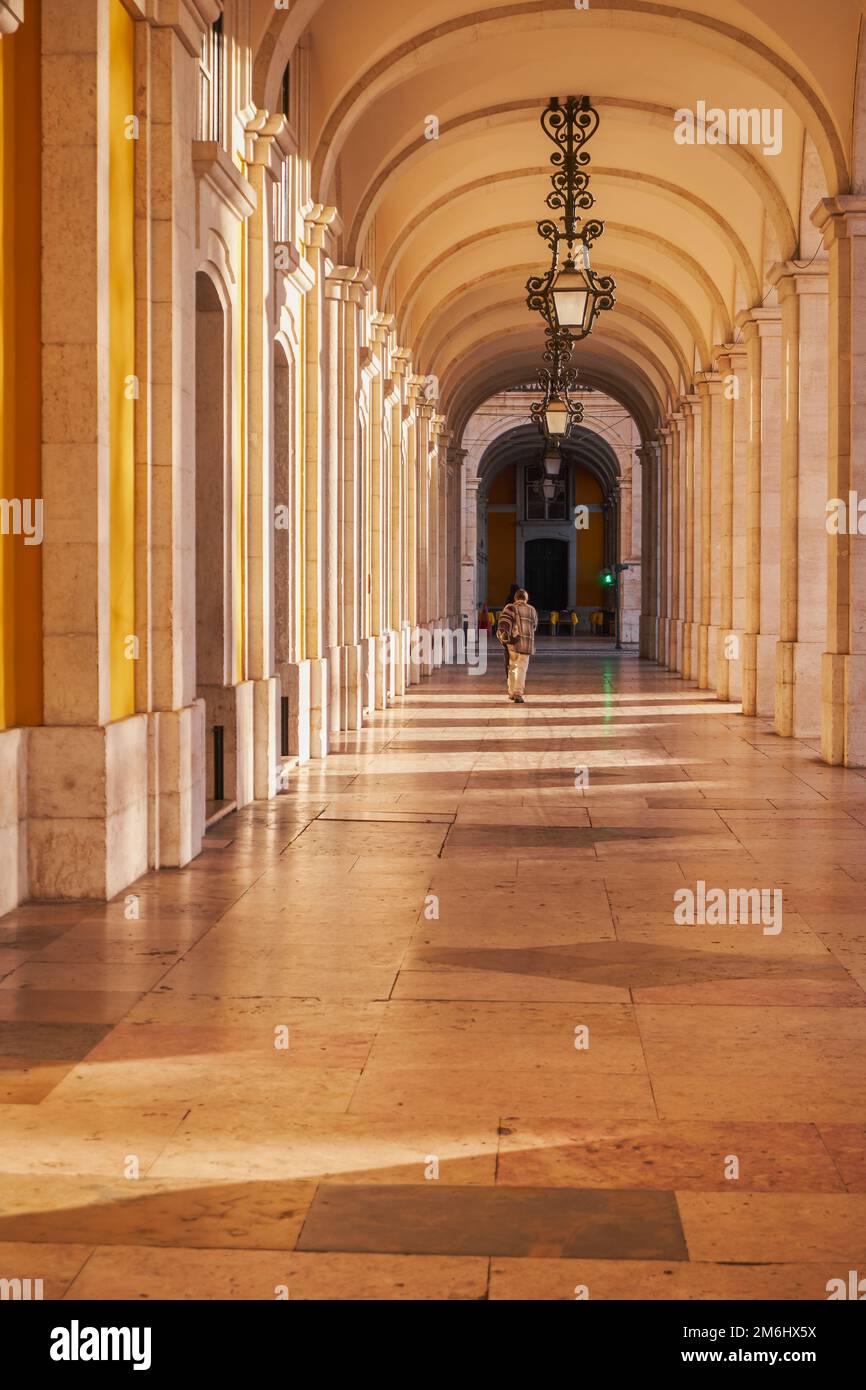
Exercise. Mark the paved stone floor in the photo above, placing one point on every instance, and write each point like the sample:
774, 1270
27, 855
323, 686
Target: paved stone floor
462, 926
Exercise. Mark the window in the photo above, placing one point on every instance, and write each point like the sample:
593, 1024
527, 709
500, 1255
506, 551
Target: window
541, 508
286, 92
210, 84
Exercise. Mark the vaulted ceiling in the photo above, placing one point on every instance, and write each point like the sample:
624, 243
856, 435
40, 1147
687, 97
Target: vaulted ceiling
447, 225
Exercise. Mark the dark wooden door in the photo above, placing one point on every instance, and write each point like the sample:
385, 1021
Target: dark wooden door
546, 570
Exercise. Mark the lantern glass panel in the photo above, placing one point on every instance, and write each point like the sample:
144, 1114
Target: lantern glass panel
556, 414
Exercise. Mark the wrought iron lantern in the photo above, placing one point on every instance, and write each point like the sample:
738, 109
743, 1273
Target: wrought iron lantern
571, 294
557, 413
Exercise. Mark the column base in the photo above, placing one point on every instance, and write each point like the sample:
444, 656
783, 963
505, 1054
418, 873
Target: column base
176, 782
13, 818
319, 691
88, 809
843, 733
231, 707
703, 666
729, 664
662, 648
295, 685
336, 678
266, 737
385, 667
416, 653
352, 687
712, 656
766, 674
686, 667
676, 644
749, 676
798, 689
368, 685
427, 647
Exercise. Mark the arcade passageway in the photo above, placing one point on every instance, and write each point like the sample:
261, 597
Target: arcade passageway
431, 921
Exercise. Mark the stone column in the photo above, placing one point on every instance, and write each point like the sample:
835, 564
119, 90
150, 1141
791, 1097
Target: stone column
414, 394
762, 334
399, 520
674, 621
663, 584
321, 228
87, 774
424, 418
803, 299
733, 364
710, 389
469, 545
649, 455
690, 407
268, 153
843, 735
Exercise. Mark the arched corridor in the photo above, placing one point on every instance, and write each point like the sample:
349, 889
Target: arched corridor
324, 329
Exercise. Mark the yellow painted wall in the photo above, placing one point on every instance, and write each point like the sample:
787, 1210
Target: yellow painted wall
121, 289
504, 485
20, 367
590, 560
501, 538
590, 544
501, 570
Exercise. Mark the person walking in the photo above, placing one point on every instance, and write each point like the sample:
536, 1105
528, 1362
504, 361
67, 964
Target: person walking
516, 631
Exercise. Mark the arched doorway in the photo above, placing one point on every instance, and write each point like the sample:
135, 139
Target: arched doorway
545, 562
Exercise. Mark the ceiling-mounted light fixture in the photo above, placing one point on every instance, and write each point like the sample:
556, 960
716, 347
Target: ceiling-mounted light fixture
557, 413
552, 461
570, 295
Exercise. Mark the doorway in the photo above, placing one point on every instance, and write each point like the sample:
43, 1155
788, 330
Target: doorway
545, 566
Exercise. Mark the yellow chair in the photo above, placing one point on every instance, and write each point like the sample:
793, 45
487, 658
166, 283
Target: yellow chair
554, 622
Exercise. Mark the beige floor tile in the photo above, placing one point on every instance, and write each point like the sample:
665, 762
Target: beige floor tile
134, 1273
524, 1280
683, 1156
811, 1228
50, 1268
263, 1143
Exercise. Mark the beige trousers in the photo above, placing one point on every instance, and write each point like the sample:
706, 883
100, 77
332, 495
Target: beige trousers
518, 663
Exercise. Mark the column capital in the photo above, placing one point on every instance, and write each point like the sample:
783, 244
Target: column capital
709, 384
734, 355
321, 224
415, 385
765, 320
348, 282
649, 452
188, 18
689, 403
841, 217
401, 362
381, 326
790, 278
270, 140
